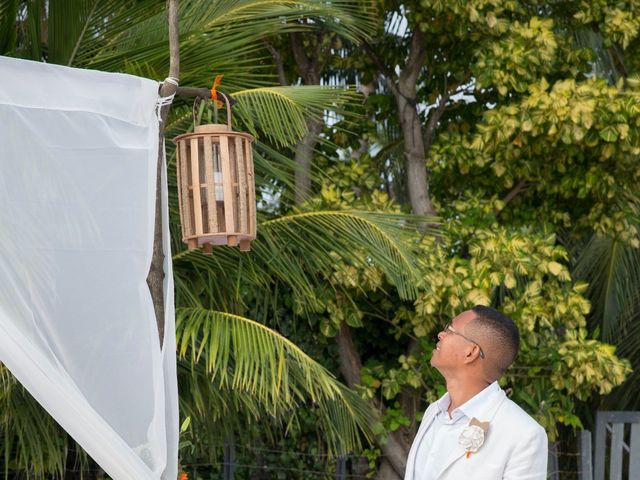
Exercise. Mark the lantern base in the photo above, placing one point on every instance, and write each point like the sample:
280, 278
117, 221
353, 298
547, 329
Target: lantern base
232, 240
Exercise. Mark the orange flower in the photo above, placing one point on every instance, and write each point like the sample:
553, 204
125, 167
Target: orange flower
214, 94
183, 476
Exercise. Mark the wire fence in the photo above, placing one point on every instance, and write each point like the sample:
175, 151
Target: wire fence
612, 452
260, 463
569, 459
564, 464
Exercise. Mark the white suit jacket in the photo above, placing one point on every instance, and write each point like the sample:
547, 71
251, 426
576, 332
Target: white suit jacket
515, 446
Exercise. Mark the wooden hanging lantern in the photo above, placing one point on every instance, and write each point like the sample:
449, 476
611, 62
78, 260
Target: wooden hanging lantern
216, 187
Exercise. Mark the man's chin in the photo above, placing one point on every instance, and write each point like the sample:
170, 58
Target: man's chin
434, 356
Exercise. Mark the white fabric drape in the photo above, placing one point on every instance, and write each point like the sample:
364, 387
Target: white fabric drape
78, 153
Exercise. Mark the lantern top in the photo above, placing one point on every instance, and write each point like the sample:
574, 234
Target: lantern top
212, 129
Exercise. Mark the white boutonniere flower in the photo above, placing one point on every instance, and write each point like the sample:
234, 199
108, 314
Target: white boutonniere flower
472, 437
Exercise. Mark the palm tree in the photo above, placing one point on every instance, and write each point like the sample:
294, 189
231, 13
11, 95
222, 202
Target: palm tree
611, 266
231, 368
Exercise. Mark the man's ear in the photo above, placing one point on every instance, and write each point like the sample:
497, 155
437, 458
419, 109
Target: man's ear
471, 353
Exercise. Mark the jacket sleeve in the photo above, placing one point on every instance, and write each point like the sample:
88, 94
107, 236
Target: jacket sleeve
529, 458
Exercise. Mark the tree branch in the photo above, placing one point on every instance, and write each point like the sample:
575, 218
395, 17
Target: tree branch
322, 62
434, 118
155, 278
299, 54
277, 57
169, 88
513, 193
317, 48
389, 74
412, 68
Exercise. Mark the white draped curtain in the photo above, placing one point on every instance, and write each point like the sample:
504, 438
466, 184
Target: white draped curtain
78, 153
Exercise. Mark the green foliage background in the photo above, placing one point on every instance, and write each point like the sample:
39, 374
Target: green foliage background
533, 169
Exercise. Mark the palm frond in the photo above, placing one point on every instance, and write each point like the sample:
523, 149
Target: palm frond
83, 29
30, 440
281, 113
299, 250
264, 372
223, 36
612, 269
274, 169
216, 37
8, 30
625, 397
384, 238
351, 19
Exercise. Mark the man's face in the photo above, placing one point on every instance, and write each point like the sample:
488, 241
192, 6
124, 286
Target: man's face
451, 349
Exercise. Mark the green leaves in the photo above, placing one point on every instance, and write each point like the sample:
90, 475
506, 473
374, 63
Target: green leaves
571, 140
245, 358
587, 364
514, 60
304, 256
30, 440
280, 114
609, 134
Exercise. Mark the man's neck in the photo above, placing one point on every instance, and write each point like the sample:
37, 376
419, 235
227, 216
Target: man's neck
463, 390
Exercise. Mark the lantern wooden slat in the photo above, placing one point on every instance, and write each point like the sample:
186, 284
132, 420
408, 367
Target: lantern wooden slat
183, 181
252, 192
227, 185
216, 187
242, 186
195, 186
210, 188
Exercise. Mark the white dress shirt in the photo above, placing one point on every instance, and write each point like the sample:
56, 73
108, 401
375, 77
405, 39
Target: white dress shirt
442, 435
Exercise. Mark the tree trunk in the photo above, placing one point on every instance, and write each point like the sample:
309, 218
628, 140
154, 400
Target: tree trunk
350, 364
417, 142
395, 449
310, 62
386, 472
405, 93
304, 160
415, 158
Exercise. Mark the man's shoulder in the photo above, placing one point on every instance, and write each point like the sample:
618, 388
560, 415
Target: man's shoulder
512, 416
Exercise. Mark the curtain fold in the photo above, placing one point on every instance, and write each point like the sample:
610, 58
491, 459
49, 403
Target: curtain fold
77, 325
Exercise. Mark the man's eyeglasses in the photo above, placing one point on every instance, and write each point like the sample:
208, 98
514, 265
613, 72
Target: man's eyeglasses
448, 328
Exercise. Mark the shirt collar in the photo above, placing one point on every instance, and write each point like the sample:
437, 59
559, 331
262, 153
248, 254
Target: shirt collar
443, 403
475, 406
443, 413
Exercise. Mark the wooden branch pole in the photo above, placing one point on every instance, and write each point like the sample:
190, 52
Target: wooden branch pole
155, 279
193, 92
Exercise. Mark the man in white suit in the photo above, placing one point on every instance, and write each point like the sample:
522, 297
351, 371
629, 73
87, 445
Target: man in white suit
474, 432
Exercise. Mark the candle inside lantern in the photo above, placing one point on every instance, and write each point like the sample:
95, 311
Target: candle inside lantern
217, 179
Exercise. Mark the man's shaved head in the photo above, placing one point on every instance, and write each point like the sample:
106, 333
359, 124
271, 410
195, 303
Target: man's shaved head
498, 336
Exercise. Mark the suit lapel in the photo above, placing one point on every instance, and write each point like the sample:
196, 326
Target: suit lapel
487, 413
429, 415
456, 453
